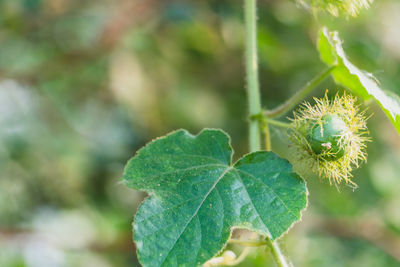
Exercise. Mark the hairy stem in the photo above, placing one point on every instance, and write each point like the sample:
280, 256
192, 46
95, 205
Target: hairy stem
296, 98
253, 92
248, 243
278, 123
267, 137
276, 253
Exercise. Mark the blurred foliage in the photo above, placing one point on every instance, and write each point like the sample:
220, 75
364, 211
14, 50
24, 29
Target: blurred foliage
84, 84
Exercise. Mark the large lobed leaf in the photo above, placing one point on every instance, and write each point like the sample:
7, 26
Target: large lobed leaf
358, 81
197, 196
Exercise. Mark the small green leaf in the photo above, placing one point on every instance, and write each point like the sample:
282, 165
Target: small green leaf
197, 196
358, 81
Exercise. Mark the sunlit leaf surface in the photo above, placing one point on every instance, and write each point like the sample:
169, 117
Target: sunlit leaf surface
197, 196
358, 81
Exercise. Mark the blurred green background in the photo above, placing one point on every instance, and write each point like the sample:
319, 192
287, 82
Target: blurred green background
84, 84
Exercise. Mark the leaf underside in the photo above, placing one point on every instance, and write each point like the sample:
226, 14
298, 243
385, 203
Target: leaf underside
197, 196
358, 81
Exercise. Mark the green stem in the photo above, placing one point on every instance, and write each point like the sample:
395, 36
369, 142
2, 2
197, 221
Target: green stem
248, 243
296, 98
253, 90
278, 123
276, 253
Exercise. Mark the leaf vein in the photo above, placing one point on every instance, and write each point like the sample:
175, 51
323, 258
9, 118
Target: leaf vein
195, 212
272, 190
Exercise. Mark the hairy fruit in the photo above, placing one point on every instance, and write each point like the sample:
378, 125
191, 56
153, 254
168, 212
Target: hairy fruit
325, 135
331, 137
337, 7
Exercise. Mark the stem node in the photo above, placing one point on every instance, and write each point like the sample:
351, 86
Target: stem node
253, 92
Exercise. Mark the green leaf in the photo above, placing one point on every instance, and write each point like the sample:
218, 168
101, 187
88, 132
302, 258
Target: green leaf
358, 81
197, 196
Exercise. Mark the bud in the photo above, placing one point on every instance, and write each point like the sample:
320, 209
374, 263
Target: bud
331, 135
336, 7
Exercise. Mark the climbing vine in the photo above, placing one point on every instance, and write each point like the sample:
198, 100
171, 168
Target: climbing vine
198, 195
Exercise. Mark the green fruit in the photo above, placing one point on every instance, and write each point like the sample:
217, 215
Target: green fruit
324, 137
